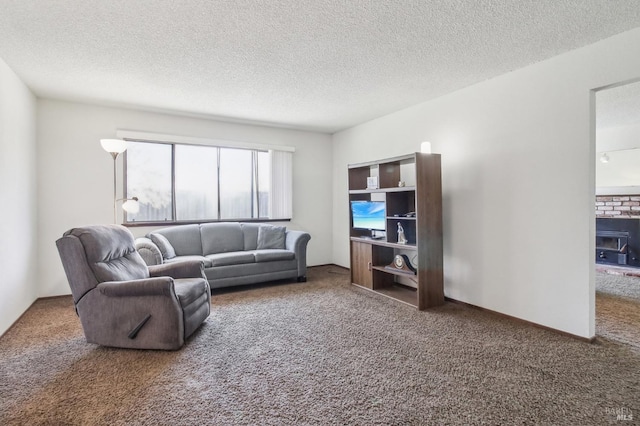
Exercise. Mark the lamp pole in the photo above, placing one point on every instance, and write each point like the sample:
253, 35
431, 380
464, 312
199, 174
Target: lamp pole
115, 209
114, 147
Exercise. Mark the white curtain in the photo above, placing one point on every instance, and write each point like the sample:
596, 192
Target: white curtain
281, 191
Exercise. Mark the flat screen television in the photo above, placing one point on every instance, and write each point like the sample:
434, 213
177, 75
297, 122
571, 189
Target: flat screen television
368, 215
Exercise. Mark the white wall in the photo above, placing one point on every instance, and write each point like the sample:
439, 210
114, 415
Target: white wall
621, 175
76, 175
507, 145
18, 254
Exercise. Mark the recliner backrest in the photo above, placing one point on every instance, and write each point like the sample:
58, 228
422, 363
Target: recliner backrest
94, 254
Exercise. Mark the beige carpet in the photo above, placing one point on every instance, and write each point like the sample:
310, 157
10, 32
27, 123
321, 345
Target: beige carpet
618, 308
318, 353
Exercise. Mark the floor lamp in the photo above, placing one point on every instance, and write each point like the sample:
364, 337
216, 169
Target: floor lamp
116, 147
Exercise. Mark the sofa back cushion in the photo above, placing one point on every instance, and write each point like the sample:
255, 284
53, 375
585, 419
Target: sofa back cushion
185, 239
250, 231
221, 237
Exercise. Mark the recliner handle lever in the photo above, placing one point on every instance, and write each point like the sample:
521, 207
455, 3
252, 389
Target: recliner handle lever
134, 332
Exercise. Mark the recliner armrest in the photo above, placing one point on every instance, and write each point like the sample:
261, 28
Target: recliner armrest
179, 269
157, 286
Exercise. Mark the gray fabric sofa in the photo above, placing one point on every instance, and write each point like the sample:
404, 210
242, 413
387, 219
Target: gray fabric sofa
121, 301
232, 253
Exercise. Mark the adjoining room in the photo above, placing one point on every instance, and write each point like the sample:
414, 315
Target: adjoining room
617, 252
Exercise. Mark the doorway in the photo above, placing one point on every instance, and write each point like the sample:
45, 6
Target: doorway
617, 278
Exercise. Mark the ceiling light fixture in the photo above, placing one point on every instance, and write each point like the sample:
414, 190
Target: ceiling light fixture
604, 158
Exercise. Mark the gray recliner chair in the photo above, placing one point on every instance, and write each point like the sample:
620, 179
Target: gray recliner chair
123, 303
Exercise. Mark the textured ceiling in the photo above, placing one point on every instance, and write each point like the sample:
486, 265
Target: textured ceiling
619, 106
321, 65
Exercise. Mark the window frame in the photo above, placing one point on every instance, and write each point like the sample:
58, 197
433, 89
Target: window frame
254, 154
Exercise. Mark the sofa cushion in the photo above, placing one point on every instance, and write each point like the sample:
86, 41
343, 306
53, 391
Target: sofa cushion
204, 260
185, 239
270, 255
250, 231
221, 237
271, 237
248, 269
167, 250
232, 258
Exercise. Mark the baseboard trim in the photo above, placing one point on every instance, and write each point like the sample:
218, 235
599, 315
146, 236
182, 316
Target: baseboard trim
448, 299
523, 321
60, 296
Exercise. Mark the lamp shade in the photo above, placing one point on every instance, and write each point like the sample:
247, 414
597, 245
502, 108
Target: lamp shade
117, 146
425, 147
131, 206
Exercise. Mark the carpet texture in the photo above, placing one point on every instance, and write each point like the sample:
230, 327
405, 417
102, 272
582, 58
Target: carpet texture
618, 308
318, 353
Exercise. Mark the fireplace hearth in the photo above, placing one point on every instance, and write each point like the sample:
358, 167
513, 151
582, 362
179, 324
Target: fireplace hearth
618, 242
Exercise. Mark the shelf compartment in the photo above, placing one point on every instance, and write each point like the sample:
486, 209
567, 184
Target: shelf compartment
383, 243
388, 270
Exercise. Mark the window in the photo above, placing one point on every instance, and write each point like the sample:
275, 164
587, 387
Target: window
149, 176
197, 183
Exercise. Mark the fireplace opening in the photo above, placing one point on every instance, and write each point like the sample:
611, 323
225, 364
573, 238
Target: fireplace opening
612, 247
618, 241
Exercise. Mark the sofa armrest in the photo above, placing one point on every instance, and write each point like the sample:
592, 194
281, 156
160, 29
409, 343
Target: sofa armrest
296, 241
149, 251
158, 286
179, 269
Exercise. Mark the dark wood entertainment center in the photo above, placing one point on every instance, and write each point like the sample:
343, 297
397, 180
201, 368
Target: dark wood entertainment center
411, 188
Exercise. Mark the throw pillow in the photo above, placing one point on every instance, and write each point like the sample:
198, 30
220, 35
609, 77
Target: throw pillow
271, 237
164, 245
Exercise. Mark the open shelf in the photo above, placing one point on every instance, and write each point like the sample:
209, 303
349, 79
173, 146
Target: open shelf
407, 184
383, 190
384, 243
397, 272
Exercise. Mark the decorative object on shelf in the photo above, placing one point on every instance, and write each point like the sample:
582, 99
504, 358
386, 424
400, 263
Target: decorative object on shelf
401, 262
372, 182
402, 239
116, 147
401, 184
425, 147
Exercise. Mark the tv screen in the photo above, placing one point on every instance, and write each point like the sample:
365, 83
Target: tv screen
368, 215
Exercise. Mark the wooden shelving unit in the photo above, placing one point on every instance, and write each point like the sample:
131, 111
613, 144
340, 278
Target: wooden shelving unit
421, 194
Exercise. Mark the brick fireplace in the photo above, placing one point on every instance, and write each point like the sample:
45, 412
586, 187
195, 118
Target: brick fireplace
618, 206
618, 234
618, 237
